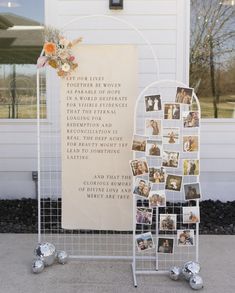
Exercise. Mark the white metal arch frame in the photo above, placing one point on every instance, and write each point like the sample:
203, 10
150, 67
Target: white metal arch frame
159, 84
63, 28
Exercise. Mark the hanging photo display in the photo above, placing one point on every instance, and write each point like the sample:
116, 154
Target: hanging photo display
167, 166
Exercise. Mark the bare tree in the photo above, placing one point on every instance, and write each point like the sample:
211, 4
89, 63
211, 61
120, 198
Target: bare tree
212, 39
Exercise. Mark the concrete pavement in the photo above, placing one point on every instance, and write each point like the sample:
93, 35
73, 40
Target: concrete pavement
217, 258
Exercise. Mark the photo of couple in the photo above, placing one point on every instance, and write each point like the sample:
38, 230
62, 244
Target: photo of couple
168, 222
153, 103
139, 167
157, 198
192, 191
170, 159
184, 95
190, 143
171, 135
165, 245
191, 215
139, 143
153, 127
157, 174
144, 241
173, 182
172, 111
185, 237
154, 148
142, 187
191, 167
144, 215
190, 119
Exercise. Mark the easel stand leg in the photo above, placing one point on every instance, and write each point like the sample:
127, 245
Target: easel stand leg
134, 275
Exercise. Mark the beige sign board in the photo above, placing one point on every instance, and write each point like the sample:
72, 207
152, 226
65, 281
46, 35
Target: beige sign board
97, 109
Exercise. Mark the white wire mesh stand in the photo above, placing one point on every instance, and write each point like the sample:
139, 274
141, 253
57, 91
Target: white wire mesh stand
150, 261
79, 244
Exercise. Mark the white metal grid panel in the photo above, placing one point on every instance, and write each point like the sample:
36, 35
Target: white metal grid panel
150, 261
79, 243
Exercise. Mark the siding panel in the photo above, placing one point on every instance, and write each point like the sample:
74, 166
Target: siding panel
146, 7
123, 36
152, 22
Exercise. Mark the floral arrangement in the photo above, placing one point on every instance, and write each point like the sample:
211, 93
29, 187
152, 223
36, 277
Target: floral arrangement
57, 52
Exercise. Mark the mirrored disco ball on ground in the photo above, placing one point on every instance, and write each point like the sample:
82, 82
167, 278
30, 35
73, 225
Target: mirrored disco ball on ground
174, 273
46, 252
196, 282
37, 266
62, 257
190, 269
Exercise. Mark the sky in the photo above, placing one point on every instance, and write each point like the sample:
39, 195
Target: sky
33, 9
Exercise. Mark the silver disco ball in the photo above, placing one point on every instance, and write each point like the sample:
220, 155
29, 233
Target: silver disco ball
174, 273
37, 266
196, 282
62, 257
190, 269
46, 252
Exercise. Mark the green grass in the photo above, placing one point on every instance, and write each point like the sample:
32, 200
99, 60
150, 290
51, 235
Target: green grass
24, 112
226, 107
27, 108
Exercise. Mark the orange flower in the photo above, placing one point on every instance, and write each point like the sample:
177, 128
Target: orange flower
49, 48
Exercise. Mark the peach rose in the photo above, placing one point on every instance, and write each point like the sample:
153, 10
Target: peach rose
49, 48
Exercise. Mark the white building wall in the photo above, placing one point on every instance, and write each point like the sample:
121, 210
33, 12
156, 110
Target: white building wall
165, 23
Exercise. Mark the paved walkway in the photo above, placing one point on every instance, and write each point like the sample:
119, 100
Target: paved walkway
217, 254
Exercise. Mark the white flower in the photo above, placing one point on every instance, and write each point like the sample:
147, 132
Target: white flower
65, 67
63, 54
64, 42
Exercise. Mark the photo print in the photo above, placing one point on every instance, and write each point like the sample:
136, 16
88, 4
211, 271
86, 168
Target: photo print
191, 215
170, 159
165, 245
144, 215
154, 148
185, 238
191, 167
153, 103
144, 241
173, 182
153, 127
184, 95
190, 143
171, 111
190, 119
157, 198
157, 174
171, 135
192, 191
142, 187
139, 167
167, 222
139, 143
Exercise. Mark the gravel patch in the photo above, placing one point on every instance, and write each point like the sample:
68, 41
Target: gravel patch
20, 216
